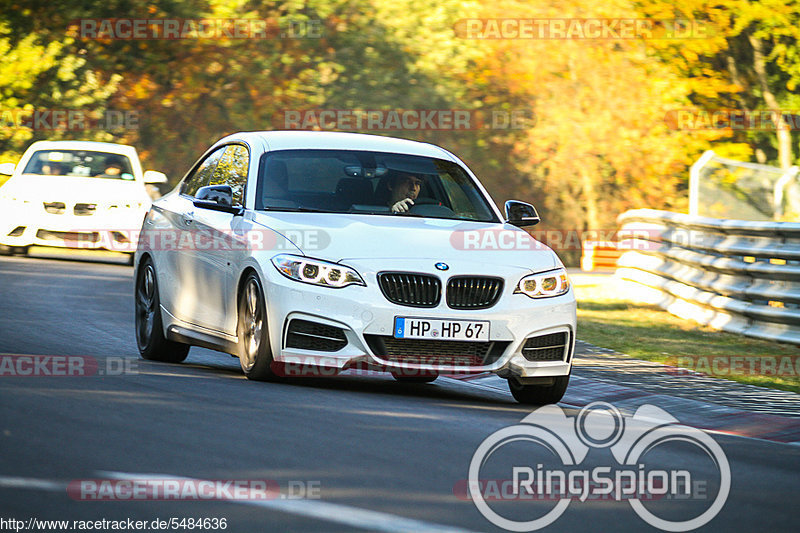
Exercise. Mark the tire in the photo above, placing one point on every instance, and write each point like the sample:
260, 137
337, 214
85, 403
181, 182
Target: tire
20, 250
149, 327
6, 250
539, 394
254, 350
415, 379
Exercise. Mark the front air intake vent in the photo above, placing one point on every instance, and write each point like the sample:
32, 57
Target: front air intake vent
307, 335
410, 289
55, 208
473, 292
84, 209
552, 347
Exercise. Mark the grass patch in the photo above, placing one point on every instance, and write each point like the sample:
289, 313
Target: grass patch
606, 318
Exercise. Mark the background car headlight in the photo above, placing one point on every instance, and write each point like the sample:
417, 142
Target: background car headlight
544, 284
316, 272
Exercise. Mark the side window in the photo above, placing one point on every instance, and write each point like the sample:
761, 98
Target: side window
232, 170
202, 175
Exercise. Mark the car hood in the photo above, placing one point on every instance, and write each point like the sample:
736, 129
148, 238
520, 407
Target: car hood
73, 189
345, 237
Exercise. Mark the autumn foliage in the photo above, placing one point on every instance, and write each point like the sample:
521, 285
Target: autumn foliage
591, 134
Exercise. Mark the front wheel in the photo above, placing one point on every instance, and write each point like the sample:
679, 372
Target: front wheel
13, 250
149, 328
539, 394
255, 352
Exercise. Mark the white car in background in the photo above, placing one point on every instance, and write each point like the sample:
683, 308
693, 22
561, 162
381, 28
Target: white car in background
74, 194
288, 250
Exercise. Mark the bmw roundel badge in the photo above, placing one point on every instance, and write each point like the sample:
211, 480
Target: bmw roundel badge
441, 266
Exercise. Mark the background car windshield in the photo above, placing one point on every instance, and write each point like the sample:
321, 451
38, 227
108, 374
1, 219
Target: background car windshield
82, 163
343, 181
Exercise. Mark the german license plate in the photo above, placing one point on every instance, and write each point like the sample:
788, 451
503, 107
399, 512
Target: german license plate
429, 328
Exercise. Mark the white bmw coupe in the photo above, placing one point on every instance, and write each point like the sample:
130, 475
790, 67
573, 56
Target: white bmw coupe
74, 194
311, 253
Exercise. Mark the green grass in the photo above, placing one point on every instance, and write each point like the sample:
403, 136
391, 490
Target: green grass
606, 318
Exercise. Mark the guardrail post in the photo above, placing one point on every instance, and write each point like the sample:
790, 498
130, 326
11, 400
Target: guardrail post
694, 181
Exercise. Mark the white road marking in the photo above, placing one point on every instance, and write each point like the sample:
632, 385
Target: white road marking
320, 510
10, 482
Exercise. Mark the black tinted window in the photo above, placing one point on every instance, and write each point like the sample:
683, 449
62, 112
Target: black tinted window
82, 163
351, 181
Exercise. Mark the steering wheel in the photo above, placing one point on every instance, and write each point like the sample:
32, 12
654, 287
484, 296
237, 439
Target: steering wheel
425, 201
430, 207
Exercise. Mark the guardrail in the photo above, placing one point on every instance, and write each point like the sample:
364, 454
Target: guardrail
735, 275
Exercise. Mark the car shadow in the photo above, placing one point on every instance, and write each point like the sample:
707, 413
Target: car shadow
444, 388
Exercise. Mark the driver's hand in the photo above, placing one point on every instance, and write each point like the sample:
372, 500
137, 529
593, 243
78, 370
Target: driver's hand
402, 206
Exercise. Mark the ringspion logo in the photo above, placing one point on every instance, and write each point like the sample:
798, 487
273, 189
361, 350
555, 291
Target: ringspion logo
639, 444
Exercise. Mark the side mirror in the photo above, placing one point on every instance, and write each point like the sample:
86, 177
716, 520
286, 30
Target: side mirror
216, 198
6, 169
153, 176
521, 214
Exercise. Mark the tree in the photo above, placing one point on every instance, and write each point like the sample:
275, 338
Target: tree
36, 75
751, 54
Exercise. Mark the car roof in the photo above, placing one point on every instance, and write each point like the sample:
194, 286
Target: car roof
333, 140
93, 146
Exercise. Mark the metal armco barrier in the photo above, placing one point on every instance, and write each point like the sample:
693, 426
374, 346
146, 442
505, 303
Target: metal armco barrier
734, 275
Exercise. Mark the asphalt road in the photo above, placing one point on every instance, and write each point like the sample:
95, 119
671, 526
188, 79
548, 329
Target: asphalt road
365, 453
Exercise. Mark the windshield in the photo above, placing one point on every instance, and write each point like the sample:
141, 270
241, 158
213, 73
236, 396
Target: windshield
82, 163
348, 181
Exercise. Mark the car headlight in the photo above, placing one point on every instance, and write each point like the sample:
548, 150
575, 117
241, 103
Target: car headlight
316, 272
544, 284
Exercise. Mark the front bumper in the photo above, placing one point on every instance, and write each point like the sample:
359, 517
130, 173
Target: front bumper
363, 314
118, 233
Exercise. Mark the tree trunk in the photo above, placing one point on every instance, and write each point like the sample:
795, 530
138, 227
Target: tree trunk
785, 156
590, 199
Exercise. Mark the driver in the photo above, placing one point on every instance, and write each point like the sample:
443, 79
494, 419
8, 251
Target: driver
113, 169
403, 190
52, 169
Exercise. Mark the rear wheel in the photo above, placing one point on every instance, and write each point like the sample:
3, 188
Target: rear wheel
149, 328
539, 394
255, 352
